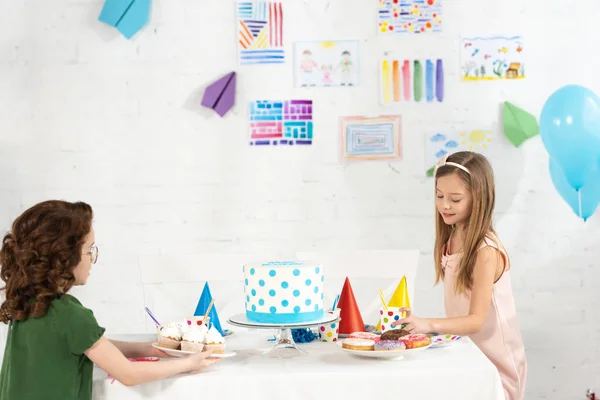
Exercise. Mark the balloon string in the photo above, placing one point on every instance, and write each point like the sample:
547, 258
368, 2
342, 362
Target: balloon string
579, 196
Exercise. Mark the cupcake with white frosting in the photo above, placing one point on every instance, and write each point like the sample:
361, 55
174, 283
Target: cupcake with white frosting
169, 336
193, 339
214, 341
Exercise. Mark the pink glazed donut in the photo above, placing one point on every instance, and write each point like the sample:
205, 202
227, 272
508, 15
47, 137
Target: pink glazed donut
364, 335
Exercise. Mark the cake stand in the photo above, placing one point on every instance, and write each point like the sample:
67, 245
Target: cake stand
284, 346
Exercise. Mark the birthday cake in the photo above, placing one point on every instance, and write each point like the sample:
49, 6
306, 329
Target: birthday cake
283, 292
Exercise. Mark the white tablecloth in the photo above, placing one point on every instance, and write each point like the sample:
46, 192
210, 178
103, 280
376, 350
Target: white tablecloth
458, 372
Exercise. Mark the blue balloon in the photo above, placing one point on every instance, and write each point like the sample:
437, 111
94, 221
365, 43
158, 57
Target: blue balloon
590, 193
570, 131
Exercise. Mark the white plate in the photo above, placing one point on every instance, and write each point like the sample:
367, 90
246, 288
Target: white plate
444, 340
392, 354
181, 353
395, 354
243, 321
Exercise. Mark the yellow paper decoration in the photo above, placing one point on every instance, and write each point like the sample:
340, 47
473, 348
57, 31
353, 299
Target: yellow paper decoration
400, 298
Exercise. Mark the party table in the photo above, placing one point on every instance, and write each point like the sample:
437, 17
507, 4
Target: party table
459, 371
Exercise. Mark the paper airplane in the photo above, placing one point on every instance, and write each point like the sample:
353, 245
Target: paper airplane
220, 96
128, 16
519, 125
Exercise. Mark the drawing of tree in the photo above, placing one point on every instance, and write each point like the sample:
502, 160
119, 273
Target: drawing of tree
468, 67
498, 65
482, 70
477, 72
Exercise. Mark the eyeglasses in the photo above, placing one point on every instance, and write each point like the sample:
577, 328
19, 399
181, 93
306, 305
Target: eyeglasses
93, 253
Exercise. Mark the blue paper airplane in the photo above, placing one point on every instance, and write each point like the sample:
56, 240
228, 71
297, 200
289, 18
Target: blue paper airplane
128, 16
203, 303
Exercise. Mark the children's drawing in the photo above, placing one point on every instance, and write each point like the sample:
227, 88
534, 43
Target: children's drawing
438, 144
260, 32
492, 58
286, 122
409, 16
324, 64
411, 80
371, 138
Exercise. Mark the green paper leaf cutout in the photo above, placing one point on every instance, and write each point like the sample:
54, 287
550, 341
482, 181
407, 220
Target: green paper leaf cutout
519, 125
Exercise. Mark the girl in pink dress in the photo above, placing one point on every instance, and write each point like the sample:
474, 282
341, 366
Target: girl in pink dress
475, 269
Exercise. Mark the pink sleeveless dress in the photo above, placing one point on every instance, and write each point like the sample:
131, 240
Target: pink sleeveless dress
500, 338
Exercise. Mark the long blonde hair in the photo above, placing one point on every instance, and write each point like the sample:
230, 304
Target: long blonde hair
480, 182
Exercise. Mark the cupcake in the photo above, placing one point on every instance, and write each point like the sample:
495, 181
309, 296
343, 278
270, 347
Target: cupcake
169, 336
193, 339
214, 341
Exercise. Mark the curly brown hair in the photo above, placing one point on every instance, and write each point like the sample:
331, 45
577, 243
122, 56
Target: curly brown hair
39, 254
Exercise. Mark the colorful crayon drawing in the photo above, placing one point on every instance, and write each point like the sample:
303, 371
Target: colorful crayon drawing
438, 144
409, 16
285, 122
326, 64
260, 32
492, 58
411, 80
371, 138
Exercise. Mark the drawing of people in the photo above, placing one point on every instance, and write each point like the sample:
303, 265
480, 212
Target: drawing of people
308, 66
326, 70
346, 68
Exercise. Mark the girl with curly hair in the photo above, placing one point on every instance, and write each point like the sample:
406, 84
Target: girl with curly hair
53, 340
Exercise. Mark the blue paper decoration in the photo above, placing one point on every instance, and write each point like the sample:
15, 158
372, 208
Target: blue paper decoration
303, 335
202, 306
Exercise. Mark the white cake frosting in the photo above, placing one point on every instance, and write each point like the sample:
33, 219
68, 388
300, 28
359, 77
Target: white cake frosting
214, 337
283, 292
170, 330
196, 334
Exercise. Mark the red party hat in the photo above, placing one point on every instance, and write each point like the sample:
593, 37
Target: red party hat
351, 320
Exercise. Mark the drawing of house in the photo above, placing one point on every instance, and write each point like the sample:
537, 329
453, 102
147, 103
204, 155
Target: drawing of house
513, 71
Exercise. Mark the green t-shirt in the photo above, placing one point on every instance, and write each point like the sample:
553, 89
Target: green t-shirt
44, 357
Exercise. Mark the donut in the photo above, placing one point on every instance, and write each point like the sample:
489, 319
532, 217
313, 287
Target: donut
416, 340
394, 345
364, 335
358, 344
394, 334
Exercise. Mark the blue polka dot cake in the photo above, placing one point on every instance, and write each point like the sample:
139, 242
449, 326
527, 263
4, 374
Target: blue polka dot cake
283, 292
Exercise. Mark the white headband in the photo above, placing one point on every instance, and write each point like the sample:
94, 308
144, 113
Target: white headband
443, 162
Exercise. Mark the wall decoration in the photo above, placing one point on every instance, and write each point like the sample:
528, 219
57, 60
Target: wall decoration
492, 58
260, 32
128, 16
409, 16
404, 80
325, 64
518, 124
440, 143
220, 95
286, 122
371, 138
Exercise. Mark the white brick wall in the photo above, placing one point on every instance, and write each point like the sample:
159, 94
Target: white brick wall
90, 116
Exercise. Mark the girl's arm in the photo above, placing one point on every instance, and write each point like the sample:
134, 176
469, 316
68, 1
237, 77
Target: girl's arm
488, 261
135, 349
108, 357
